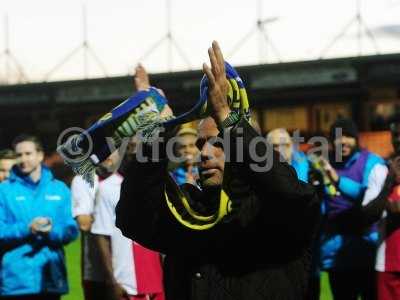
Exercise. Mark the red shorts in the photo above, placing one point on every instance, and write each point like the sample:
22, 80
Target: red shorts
388, 285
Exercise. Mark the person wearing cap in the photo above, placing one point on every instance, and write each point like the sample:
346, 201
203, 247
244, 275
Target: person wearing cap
187, 152
348, 255
244, 202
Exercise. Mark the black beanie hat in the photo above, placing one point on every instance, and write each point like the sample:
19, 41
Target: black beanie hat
348, 127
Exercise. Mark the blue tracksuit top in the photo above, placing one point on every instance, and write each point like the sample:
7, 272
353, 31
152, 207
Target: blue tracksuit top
301, 165
345, 252
34, 264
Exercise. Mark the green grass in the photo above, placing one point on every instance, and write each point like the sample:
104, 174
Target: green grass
74, 275
73, 252
325, 289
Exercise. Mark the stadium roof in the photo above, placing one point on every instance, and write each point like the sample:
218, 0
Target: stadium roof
267, 80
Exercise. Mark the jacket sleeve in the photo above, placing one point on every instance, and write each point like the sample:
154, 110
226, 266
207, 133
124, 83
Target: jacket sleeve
82, 196
10, 232
143, 215
289, 205
360, 217
351, 188
64, 229
355, 189
250, 154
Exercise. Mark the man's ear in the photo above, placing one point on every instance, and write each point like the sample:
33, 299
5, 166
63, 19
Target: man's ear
41, 156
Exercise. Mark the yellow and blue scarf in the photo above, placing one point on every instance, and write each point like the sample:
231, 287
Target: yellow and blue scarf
141, 113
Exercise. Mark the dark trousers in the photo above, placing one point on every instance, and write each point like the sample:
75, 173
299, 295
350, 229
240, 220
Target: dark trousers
314, 288
33, 297
94, 290
349, 285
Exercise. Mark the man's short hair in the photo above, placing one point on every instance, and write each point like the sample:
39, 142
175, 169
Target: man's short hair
7, 154
28, 138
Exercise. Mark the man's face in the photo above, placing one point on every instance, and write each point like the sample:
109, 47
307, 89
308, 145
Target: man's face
212, 155
29, 158
186, 148
5, 168
395, 131
347, 145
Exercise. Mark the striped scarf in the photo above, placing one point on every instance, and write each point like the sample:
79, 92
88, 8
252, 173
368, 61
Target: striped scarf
141, 113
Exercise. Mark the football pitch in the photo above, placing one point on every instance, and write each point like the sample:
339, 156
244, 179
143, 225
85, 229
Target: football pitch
74, 275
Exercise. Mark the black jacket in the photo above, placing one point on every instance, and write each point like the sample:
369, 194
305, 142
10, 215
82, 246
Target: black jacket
261, 251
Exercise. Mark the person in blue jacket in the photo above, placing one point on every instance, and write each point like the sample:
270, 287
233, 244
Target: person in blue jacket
280, 139
347, 255
186, 150
35, 223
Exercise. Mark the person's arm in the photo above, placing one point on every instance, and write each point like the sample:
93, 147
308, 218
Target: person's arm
349, 187
104, 245
102, 229
353, 189
287, 205
248, 150
82, 202
360, 217
64, 228
11, 232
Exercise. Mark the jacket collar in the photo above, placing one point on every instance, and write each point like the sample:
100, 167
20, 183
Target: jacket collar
45, 176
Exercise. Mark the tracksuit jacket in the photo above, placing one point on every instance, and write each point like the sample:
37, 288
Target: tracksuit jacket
34, 264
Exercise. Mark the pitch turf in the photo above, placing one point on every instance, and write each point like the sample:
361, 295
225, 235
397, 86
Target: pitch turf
74, 275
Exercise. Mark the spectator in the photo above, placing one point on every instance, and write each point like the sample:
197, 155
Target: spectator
383, 202
133, 272
83, 198
7, 160
186, 149
349, 256
35, 223
280, 139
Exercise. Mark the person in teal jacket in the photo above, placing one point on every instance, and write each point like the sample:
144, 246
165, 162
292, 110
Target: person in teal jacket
280, 139
35, 223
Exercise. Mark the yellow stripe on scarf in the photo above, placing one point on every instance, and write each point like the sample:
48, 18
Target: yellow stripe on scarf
202, 222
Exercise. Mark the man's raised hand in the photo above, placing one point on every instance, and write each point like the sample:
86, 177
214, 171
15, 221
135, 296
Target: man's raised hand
218, 84
141, 80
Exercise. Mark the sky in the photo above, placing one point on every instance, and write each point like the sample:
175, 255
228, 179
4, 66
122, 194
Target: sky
119, 32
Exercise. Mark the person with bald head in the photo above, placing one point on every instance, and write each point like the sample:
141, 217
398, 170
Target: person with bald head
212, 234
280, 139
